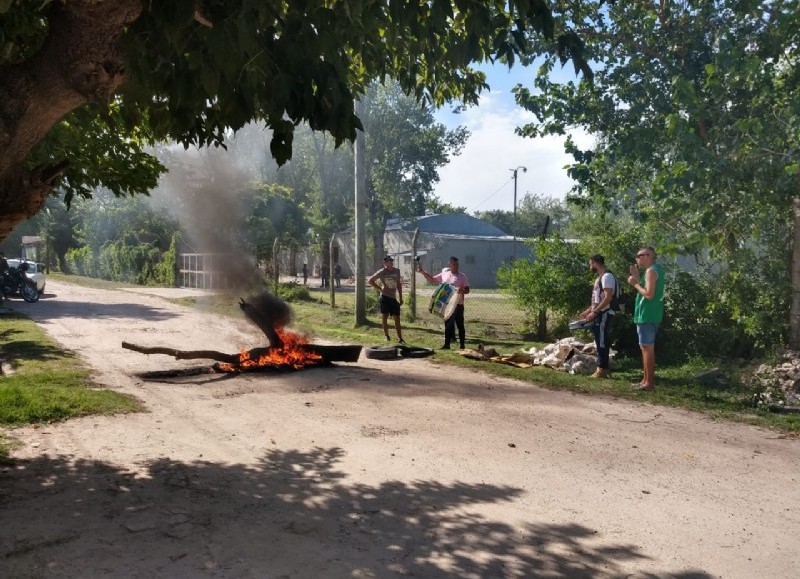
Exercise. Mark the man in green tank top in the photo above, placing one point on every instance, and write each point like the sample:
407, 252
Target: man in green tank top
648, 310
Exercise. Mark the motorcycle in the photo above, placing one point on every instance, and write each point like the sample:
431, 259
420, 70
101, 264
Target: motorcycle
15, 281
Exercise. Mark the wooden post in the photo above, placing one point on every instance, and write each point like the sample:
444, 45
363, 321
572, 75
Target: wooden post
360, 218
330, 270
275, 266
412, 294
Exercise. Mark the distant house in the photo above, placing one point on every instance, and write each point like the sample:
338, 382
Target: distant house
480, 246
31, 247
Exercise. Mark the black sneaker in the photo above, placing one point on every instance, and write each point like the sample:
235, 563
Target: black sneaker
388, 339
401, 341
445, 347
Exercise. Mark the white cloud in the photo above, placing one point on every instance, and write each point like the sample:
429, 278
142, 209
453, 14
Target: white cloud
480, 178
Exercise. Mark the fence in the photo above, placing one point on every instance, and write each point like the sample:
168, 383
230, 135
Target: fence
203, 271
488, 312
492, 313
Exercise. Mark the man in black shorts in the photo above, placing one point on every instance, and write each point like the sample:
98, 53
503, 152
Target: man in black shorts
391, 290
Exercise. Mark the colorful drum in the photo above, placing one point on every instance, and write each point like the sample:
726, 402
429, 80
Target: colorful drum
444, 301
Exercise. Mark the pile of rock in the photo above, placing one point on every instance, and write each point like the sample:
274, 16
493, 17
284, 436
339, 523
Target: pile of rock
781, 383
568, 354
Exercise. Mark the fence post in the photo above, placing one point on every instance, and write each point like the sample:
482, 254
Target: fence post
275, 266
330, 271
412, 295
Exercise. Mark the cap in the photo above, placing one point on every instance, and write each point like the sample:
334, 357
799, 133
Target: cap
388, 258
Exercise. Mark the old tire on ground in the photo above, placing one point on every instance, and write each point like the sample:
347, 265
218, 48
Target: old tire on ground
414, 352
381, 352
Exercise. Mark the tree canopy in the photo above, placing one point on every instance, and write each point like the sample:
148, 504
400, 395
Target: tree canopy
85, 84
537, 216
695, 110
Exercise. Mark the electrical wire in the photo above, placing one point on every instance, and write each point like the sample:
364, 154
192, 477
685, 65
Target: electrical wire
478, 206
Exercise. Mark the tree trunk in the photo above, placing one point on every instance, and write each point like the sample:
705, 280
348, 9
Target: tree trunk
794, 312
80, 62
541, 326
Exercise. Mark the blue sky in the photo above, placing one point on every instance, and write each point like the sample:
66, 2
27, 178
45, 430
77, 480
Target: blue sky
481, 179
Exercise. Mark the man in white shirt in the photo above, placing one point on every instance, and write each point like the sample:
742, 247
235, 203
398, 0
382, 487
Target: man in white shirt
600, 313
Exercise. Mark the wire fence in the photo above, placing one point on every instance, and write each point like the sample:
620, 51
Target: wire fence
489, 312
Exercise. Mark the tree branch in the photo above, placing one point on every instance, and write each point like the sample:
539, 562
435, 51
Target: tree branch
184, 354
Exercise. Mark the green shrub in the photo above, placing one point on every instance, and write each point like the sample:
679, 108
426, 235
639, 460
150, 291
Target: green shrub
80, 261
294, 292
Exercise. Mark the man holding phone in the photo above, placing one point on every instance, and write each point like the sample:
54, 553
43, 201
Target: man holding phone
648, 310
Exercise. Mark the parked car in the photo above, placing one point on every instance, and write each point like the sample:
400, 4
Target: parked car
35, 272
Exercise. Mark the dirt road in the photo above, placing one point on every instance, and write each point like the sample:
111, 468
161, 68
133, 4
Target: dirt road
376, 469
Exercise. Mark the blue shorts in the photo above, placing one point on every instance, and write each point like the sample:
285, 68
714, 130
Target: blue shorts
647, 334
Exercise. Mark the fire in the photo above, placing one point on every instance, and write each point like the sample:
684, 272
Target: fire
291, 354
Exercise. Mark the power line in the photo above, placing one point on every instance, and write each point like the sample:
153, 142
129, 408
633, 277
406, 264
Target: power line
474, 209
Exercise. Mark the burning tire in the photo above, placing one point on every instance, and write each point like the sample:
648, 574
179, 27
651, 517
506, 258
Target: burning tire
381, 352
413, 352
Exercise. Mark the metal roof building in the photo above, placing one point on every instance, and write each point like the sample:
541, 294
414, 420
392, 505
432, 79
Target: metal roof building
480, 246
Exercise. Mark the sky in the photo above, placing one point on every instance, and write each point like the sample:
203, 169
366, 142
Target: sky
481, 177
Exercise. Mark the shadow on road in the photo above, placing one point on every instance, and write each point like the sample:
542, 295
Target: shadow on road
53, 309
292, 515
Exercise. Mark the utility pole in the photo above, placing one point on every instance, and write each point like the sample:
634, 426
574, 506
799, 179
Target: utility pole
360, 218
514, 222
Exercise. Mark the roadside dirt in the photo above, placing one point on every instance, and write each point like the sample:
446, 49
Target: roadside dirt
375, 469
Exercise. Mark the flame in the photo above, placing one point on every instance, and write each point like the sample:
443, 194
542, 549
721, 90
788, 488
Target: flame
291, 354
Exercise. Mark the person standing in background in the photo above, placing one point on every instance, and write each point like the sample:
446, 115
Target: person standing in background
600, 314
305, 274
337, 274
459, 280
325, 274
391, 290
648, 310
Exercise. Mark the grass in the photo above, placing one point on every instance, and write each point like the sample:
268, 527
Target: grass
47, 384
88, 281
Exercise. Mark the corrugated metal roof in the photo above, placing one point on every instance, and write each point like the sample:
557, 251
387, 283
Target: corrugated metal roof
448, 224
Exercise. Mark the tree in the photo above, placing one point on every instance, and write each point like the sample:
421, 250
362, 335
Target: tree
537, 216
405, 149
273, 213
190, 70
122, 239
554, 280
698, 130
321, 177
437, 207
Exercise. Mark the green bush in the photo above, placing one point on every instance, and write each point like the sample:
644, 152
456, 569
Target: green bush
294, 292
555, 279
141, 264
80, 261
703, 315
165, 271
